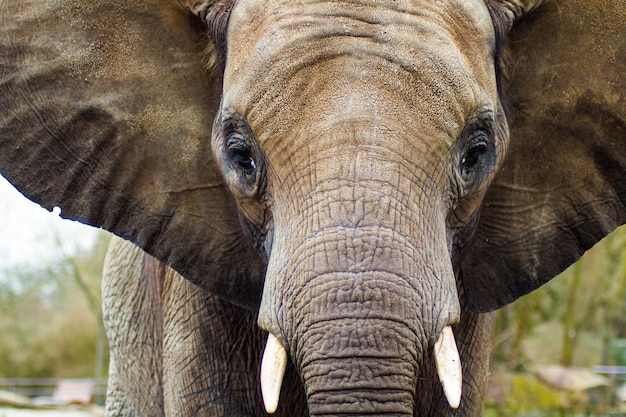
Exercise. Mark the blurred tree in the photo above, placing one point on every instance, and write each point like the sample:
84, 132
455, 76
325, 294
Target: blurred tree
595, 300
50, 319
589, 297
518, 321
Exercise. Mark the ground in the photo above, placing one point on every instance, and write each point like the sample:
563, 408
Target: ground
23, 412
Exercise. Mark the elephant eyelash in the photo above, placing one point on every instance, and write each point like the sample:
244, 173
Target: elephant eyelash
241, 155
239, 147
476, 151
242, 159
475, 159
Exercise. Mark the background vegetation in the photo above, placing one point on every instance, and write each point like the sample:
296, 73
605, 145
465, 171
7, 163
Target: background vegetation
576, 320
50, 317
579, 313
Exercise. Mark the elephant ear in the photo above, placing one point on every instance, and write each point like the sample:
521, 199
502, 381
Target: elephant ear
563, 184
106, 112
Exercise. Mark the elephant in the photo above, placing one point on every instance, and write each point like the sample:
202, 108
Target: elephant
339, 191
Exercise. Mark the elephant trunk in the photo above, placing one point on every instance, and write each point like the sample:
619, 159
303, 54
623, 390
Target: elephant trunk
359, 283
358, 334
365, 366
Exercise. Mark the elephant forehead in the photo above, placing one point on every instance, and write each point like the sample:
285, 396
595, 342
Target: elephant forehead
270, 26
282, 55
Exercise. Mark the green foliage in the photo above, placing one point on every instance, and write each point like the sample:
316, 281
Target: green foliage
524, 394
574, 320
588, 298
49, 326
518, 322
529, 394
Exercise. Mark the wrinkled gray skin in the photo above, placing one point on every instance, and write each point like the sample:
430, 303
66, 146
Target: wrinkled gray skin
212, 349
342, 175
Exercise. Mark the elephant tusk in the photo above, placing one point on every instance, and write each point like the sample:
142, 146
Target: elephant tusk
448, 365
272, 372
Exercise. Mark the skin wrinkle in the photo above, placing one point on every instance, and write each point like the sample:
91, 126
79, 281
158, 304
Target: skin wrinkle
348, 278
370, 329
122, 278
414, 202
379, 204
303, 250
368, 374
384, 152
300, 320
284, 73
304, 339
295, 295
194, 324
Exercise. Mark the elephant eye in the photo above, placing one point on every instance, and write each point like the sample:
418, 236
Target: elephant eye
241, 156
473, 156
243, 159
477, 154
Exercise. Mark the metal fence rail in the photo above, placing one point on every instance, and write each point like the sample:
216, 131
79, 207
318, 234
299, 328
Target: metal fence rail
45, 387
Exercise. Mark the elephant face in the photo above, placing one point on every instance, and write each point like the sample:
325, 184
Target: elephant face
346, 169
358, 153
428, 96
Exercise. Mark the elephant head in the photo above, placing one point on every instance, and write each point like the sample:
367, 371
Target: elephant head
357, 171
